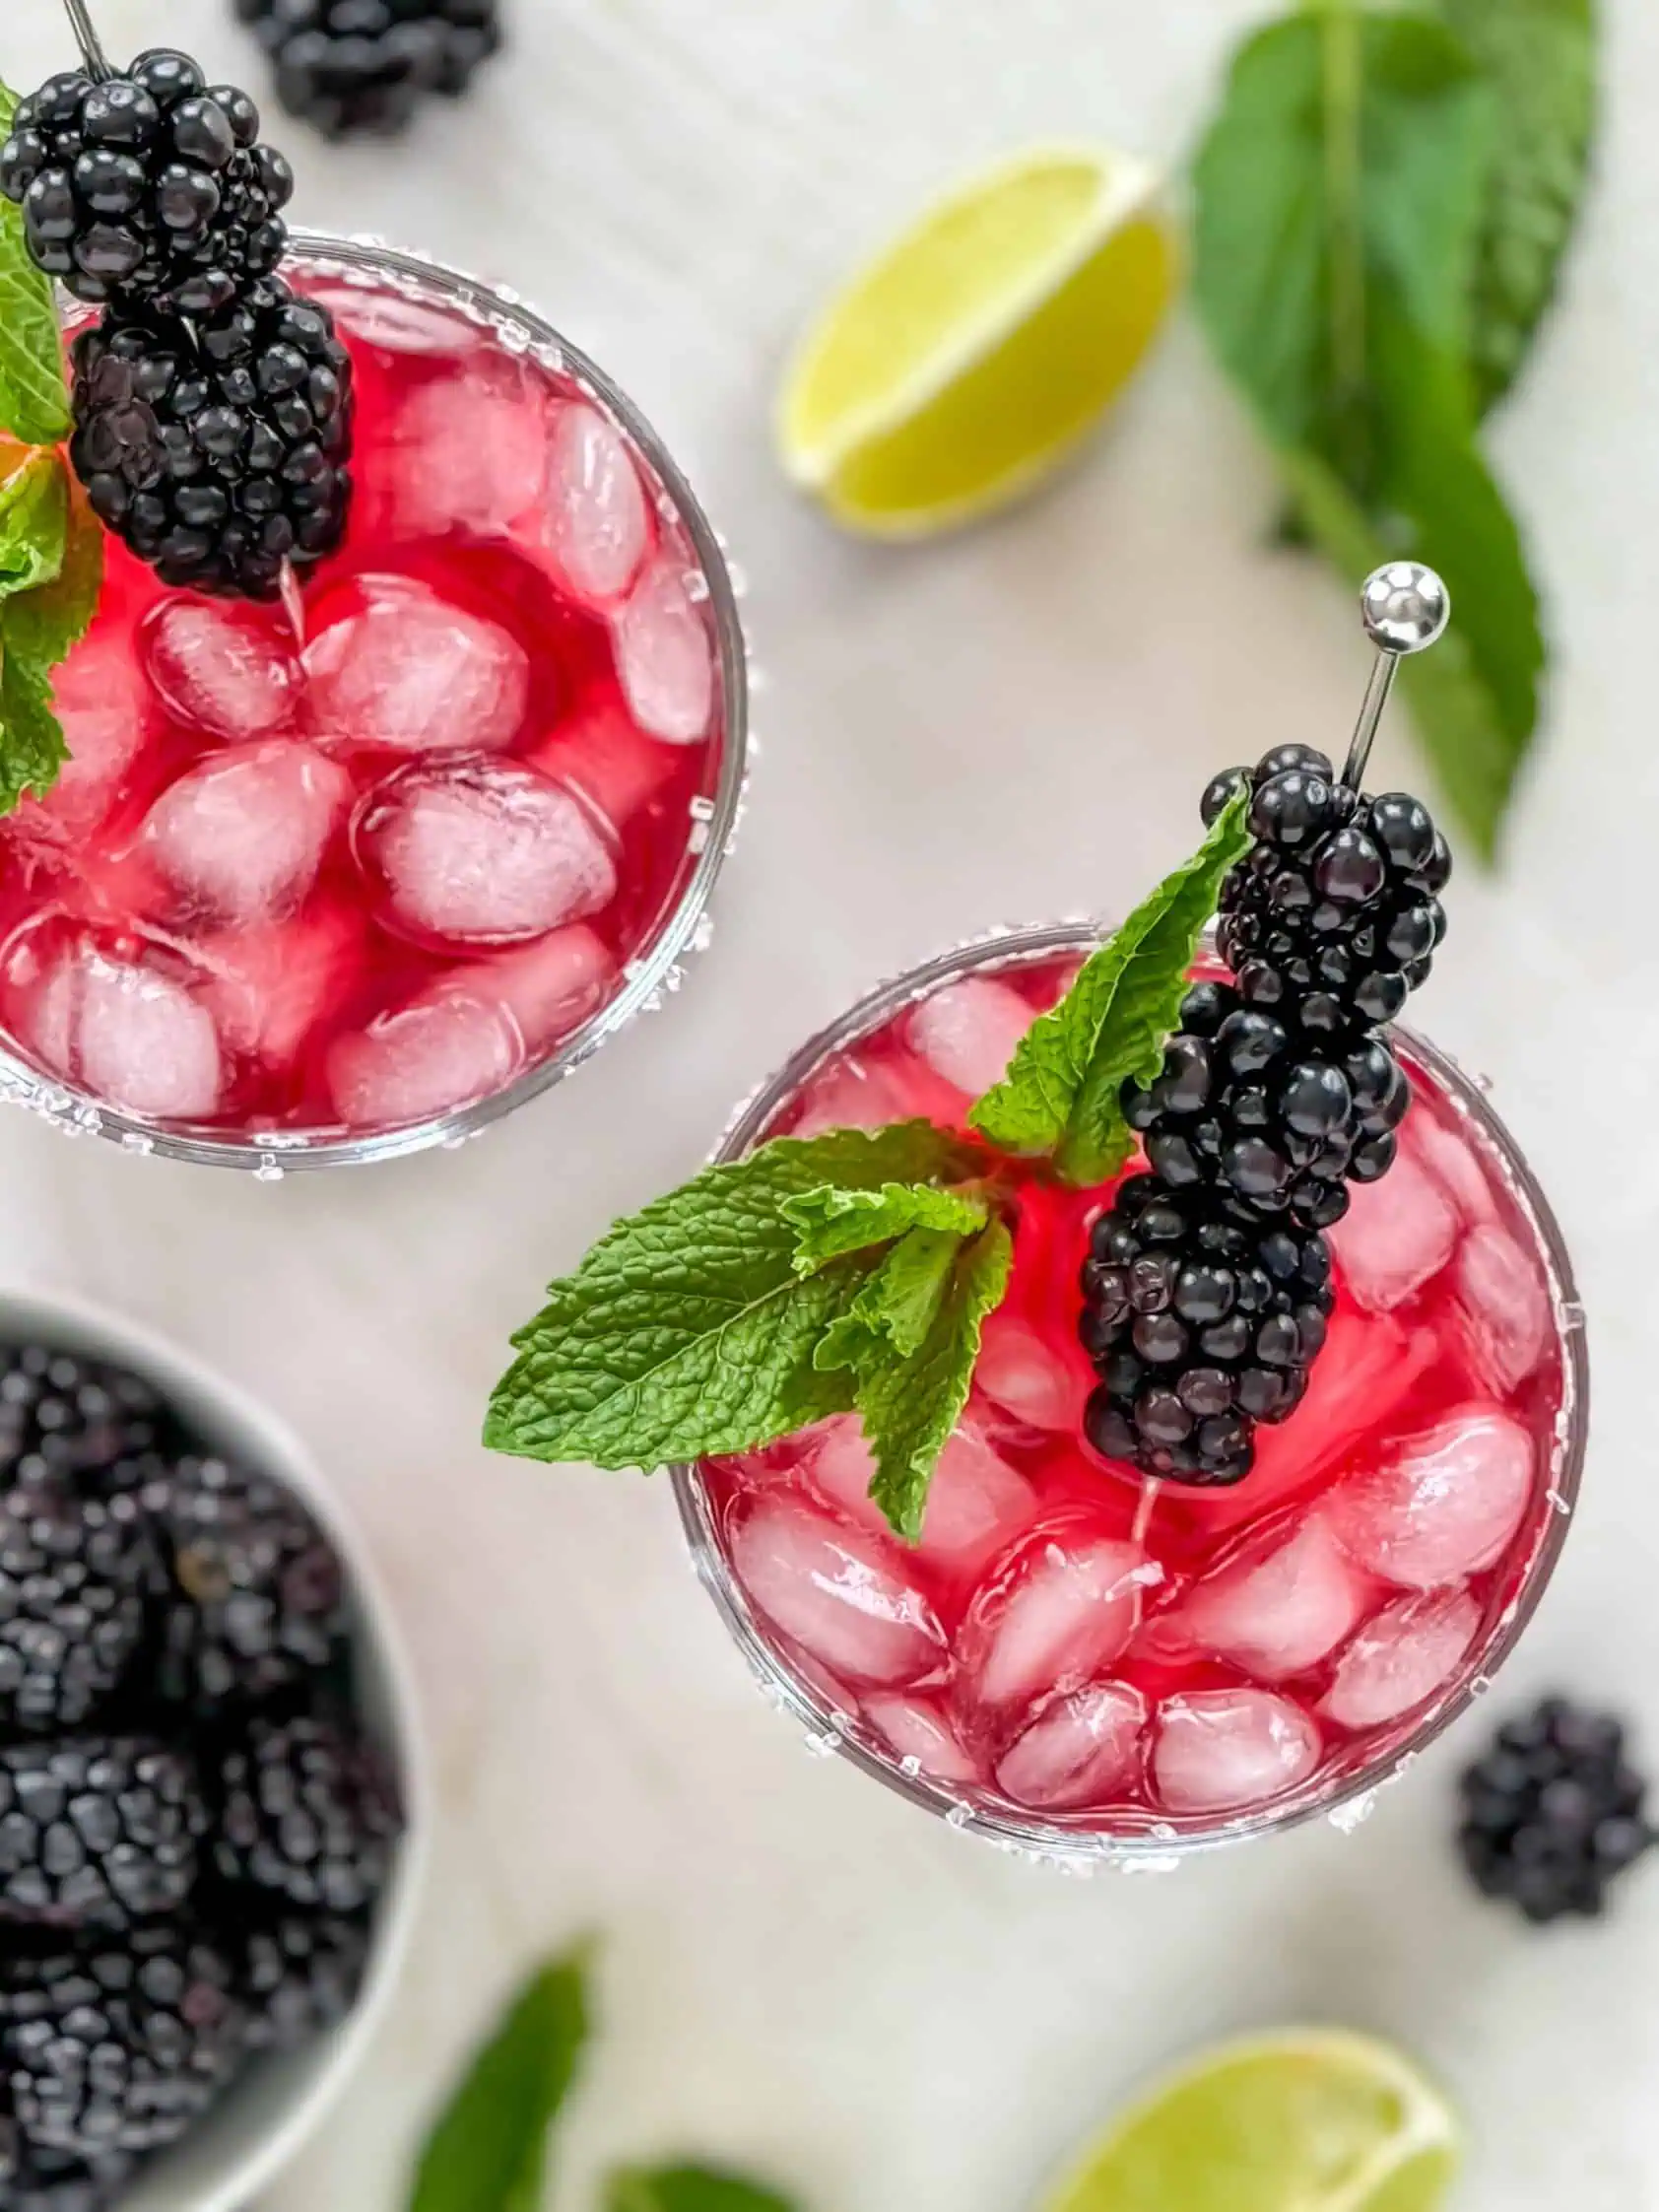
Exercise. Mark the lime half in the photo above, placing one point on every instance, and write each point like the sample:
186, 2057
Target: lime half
968, 360
1306, 2120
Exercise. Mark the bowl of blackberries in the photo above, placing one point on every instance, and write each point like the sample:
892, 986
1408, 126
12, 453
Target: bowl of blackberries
208, 1778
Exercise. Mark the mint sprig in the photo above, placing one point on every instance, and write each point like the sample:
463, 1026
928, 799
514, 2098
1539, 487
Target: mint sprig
851, 1272
688, 2188
51, 547
1061, 1094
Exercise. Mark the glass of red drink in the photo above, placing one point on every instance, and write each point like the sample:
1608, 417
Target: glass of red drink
342, 879
1081, 1663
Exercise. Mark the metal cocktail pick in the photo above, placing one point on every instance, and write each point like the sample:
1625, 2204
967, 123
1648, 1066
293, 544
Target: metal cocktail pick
1404, 608
87, 38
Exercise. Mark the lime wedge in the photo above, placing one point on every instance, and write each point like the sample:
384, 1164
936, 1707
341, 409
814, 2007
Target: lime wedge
973, 356
1308, 2120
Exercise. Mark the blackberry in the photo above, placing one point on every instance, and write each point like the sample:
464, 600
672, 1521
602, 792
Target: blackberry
149, 188
257, 1591
96, 1832
309, 1814
1553, 1813
43, 2181
75, 1580
353, 67
1207, 1291
64, 1418
113, 2052
300, 1977
218, 449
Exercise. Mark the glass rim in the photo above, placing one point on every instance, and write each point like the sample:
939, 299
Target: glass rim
656, 970
1345, 1798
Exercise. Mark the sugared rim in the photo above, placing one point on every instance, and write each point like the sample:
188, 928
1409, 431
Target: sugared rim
648, 977
1158, 1841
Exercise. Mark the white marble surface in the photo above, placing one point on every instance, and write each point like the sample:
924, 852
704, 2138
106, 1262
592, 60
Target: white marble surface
800, 1973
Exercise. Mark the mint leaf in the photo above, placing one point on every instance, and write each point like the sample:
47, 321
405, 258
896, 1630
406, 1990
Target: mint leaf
487, 2151
898, 1304
34, 389
834, 1222
1060, 1093
687, 1329
1343, 195
34, 520
31, 747
1540, 61
688, 2188
46, 623
909, 1407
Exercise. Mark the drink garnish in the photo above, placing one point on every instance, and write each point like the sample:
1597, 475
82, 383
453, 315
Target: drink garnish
51, 550
854, 1271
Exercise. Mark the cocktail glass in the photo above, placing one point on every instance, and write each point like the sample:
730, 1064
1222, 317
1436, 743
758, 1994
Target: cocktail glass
354, 876
1090, 1667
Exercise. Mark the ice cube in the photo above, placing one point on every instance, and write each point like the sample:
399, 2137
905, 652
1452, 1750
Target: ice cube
550, 986
108, 717
1079, 1751
1400, 1659
1443, 1504
1228, 1751
1053, 1616
270, 987
967, 1031
484, 853
598, 523
602, 753
467, 451
1396, 1236
1451, 1158
397, 326
665, 656
1022, 1375
224, 670
1278, 1610
851, 1091
444, 1049
914, 1728
121, 1018
842, 1597
394, 665
241, 835
1505, 1305
975, 1503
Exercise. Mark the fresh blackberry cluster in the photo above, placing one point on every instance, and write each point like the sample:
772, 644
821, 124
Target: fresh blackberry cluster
213, 408
218, 452
362, 67
149, 188
194, 1830
1207, 1291
1554, 1812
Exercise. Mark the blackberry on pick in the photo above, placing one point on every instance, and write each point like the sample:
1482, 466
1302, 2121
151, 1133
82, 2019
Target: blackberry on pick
1207, 1291
75, 1578
115, 2051
96, 1832
68, 1419
309, 1814
218, 449
150, 187
257, 1590
301, 1976
363, 67
1553, 1813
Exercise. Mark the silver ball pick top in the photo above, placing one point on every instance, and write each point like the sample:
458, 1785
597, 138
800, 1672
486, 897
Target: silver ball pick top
1404, 608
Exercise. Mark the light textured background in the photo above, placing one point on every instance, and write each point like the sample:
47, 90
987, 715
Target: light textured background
800, 1973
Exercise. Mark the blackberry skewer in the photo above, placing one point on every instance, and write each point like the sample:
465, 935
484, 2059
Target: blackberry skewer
1207, 1291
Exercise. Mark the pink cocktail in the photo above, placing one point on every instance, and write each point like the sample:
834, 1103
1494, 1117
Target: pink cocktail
344, 877
1082, 1661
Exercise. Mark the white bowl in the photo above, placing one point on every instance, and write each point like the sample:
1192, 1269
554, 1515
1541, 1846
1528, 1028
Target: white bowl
272, 2109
